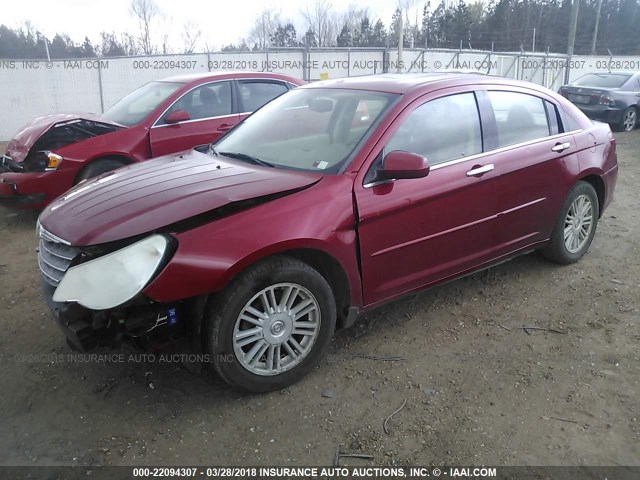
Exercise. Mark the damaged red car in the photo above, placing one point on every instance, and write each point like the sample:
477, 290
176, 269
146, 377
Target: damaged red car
258, 249
54, 152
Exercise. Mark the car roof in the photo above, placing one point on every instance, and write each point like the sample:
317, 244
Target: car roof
401, 83
193, 77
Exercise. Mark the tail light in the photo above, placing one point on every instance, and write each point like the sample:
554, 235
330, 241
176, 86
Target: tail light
605, 100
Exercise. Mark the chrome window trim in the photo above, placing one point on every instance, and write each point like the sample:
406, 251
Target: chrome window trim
500, 150
155, 124
480, 155
196, 120
378, 182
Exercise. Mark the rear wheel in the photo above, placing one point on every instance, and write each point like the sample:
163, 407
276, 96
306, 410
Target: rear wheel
576, 225
629, 120
271, 326
98, 167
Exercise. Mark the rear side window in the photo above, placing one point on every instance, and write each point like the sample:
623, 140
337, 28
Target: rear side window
441, 130
519, 117
254, 94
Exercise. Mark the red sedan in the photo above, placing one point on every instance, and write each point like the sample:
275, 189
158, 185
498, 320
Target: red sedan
54, 152
302, 217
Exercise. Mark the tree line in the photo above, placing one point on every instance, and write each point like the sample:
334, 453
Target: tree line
499, 25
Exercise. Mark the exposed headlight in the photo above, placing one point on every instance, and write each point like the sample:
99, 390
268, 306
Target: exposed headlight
113, 279
42, 161
53, 161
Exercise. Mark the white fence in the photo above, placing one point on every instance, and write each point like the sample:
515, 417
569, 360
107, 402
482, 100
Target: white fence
32, 88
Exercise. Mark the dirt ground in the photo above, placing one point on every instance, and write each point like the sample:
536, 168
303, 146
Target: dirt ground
479, 389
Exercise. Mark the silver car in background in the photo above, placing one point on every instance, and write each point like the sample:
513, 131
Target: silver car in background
612, 97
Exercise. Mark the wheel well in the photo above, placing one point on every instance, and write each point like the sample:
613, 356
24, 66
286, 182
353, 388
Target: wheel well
333, 273
598, 184
121, 158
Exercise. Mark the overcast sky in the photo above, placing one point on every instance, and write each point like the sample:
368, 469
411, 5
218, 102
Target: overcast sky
221, 22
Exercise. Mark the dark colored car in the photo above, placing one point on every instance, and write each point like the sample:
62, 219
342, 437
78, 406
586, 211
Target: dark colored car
612, 97
310, 212
55, 152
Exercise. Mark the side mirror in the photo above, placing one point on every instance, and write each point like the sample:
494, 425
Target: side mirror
177, 116
401, 164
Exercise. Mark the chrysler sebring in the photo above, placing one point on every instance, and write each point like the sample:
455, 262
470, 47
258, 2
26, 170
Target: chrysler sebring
259, 246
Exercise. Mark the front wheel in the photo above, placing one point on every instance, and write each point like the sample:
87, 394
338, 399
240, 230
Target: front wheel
576, 225
271, 325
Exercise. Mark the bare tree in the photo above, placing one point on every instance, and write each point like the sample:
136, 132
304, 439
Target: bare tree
322, 22
209, 47
145, 12
191, 35
354, 16
266, 23
403, 7
129, 44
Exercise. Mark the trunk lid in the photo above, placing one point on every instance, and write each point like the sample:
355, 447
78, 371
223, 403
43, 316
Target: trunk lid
584, 95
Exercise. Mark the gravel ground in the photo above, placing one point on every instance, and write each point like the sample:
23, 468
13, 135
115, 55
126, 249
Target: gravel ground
479, 389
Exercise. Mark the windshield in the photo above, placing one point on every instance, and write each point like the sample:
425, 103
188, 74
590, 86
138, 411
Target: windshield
136, 106
602, 80
314, 129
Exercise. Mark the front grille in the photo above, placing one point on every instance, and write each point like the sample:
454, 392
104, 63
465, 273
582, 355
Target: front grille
54, 257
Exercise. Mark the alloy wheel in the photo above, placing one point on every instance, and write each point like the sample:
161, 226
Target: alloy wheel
578, 224
276, 329
629, 121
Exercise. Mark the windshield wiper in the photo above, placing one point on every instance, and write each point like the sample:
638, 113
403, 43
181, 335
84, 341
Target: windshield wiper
246, 157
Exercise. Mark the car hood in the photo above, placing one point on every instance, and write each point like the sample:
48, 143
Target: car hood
19, 146
157, 193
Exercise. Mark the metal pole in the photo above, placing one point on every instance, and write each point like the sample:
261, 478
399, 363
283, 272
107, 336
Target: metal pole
46, 47
101, 90
533, 46
400, 43
595, 30
572, 36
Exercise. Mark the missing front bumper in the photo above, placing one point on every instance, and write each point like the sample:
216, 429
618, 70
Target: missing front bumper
146, 323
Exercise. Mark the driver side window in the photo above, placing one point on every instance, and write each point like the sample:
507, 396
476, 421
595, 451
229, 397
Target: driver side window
206, 101
444, 129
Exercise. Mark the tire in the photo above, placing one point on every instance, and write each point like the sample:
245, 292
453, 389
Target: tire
272, 337
98, 167
628, 121
582, 195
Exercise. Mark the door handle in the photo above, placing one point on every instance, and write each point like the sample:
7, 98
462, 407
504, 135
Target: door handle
560, 147
224, 127
477, 171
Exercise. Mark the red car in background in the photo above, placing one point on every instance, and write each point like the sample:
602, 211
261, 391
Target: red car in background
55, 152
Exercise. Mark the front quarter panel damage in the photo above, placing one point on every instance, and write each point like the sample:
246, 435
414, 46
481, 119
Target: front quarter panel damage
209, 256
